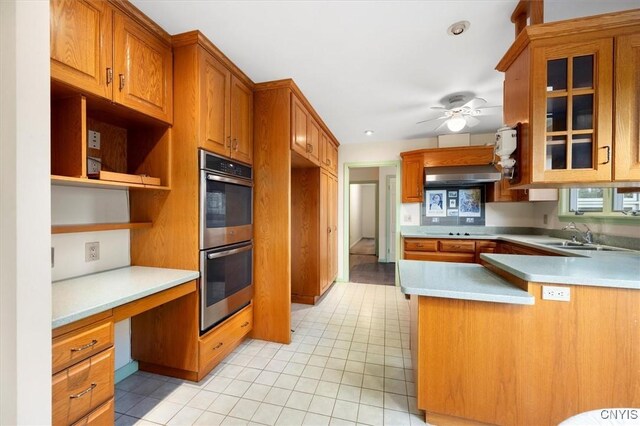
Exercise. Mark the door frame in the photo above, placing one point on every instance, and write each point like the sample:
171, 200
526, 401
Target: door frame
387, 222
345, 208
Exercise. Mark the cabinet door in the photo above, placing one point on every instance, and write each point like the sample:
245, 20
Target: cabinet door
142, 70
333, 223
215, 104
241, 121
333, 158
572, 95
81, 44
412, 171
627, 142
324, 150
299, 120
325, 231
313, 141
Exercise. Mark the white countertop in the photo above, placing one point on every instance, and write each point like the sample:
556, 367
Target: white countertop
620, 269
81, 297
466, 281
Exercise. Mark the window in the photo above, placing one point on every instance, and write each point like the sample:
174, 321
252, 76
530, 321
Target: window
597, 204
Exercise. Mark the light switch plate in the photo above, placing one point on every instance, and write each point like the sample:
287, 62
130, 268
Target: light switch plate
93, 165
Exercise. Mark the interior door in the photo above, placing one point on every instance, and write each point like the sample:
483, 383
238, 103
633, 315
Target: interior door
391, 220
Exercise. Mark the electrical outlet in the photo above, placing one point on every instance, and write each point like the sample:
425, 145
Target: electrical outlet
93, 139
93, 165
92, 251
562, 294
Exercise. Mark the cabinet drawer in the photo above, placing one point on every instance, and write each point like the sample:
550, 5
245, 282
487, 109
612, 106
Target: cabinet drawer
457, 246
220, 341
81, 344
440, 256
82, 387
417, 244
101, 416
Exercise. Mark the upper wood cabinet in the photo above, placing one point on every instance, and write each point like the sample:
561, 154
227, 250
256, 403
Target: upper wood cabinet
143, 67
328, 154
627, 108
559, 84
100, 50
412, 174
226, 107
241, 121
313, 142
81, 44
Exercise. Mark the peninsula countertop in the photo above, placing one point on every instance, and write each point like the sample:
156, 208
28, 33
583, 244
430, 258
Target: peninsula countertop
466, 281
77, 298
619, 269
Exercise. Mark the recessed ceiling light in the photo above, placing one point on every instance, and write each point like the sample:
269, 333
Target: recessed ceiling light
368, 132
458, 28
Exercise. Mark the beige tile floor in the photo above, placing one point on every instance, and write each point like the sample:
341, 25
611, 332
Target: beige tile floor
348, 363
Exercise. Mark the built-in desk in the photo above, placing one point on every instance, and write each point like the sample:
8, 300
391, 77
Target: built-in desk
84, 312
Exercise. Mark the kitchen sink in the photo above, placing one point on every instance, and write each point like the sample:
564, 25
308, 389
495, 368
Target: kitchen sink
573, 245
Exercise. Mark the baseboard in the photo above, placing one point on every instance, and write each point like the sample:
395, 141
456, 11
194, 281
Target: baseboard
125, 371
359, 239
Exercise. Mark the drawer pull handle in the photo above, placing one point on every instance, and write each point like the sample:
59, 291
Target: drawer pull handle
245, 324
608, 148
218, 346
84, 392
83, 347
121, 86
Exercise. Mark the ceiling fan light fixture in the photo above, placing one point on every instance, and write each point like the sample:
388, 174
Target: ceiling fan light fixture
458, 28
456, 123
369, 132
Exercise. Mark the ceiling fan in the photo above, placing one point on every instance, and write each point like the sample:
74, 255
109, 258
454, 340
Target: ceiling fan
460, 112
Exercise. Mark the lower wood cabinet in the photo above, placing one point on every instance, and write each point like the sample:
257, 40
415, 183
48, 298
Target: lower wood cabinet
463, 251
216, 345
83, 379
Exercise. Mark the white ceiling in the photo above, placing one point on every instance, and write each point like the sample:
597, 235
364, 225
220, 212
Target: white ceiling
364, 65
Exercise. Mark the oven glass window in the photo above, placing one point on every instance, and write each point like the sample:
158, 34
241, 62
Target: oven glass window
227, 275
227, 204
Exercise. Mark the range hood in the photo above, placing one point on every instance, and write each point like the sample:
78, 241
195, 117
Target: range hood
461, 175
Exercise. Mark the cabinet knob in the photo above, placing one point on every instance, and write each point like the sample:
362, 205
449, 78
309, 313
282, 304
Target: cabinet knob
109, 75
121, 86
309, 147
235, 144
229, 142
329, 230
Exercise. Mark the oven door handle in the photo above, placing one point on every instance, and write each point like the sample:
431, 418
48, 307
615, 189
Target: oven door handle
229, 252
211, 176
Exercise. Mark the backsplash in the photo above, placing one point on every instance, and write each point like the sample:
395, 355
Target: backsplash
451, 206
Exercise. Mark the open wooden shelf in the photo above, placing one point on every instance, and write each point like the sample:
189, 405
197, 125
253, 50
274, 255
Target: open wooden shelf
93, 227
104, 184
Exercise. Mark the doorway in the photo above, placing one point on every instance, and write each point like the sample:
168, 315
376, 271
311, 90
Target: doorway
369, 225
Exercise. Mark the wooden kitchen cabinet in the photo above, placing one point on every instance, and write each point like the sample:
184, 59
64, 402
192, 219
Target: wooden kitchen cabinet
328, 154
627, 109
305, 132
559, 85
412, 178
110, 50
143, 68
81, 44
226, 116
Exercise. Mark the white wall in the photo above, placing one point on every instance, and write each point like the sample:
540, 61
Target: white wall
25, 226
88, 205
363, 174
355, 215
368, 210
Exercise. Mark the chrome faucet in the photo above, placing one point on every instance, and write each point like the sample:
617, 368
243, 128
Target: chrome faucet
587, 236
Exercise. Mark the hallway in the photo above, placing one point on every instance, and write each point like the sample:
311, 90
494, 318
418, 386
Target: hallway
365, 268
348, 362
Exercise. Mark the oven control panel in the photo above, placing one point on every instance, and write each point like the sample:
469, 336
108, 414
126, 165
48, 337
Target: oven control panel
216, 164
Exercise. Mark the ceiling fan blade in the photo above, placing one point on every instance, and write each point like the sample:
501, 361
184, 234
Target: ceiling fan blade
474, 103
440, 126
438, 107
485, 111
471, 121
432, 119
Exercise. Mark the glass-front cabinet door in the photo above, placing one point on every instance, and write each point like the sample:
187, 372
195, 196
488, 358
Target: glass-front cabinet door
572, 112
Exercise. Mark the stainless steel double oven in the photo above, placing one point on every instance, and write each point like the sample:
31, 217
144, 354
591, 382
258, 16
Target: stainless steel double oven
226, 246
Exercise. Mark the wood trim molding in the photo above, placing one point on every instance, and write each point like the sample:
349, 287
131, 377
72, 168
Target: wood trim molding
152, 301
136, 14
196, 37
550, 30
288, 83
93, 227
